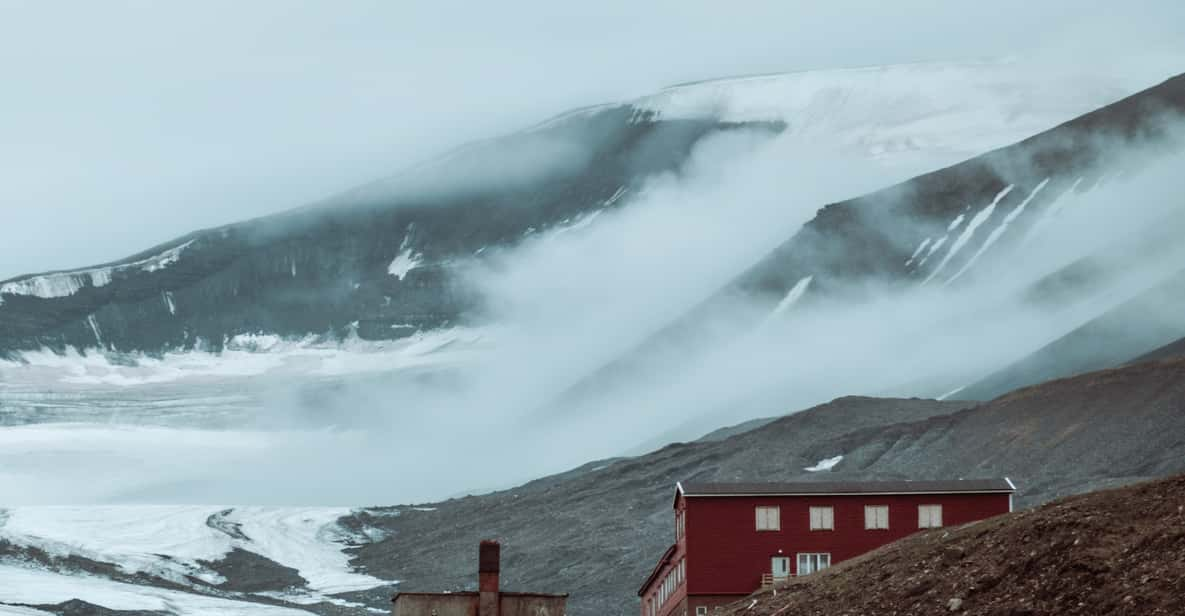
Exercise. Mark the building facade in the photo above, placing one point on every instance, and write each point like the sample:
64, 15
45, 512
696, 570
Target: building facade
732, 538
489, 600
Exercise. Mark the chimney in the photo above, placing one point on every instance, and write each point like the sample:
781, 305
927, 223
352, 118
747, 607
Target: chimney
487, 578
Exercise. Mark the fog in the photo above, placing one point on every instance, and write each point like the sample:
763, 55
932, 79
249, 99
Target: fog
566, 303
137, 128
127, 123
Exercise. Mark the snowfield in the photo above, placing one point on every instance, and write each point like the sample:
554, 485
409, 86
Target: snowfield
169, 543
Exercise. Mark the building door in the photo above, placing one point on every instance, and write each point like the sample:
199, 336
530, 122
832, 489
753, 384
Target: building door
780, 567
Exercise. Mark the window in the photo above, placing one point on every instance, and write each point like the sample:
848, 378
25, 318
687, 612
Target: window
769, 518
680, 524
701, 610
876, 517
810, 563
822, 518
929, 516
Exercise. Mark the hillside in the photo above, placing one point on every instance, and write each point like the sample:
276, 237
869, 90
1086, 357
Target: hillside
594, 531
1119, 551
383, 260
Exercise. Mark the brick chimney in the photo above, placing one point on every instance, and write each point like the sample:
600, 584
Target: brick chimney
487, 578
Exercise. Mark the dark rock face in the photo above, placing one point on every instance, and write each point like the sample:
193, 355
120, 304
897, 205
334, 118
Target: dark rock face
595, 531
323, 270
77, 607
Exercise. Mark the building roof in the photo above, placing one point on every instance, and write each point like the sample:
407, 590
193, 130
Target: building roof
666, 557
818, 488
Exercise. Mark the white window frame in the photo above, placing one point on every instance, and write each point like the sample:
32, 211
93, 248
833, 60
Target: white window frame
815, 561
701, 610
769, 517
930, 516
876, 517
822, 518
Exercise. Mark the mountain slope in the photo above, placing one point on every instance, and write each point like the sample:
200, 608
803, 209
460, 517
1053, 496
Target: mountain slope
383, 260
1111, 552
972, 230
594, 531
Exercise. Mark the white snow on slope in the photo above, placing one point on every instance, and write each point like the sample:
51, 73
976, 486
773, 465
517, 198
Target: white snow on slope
910, 114
37, 586
965, 236
792, 296
403, 263
62, 284
918, 251
1052, 211
998, 231
167, 541
825, 464
245, 356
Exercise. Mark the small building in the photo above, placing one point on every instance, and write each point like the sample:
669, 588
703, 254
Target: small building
732, 539
489, 600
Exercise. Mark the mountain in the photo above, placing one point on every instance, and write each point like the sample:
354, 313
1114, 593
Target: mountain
1068, 233
1115, 551
596, 530
387, 259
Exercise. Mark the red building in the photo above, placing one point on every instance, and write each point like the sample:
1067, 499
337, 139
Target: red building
733, 538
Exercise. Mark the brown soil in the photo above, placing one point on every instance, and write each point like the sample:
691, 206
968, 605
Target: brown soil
1118, 551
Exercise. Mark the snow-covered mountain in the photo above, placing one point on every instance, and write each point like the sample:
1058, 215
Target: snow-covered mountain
383, 260
985, 219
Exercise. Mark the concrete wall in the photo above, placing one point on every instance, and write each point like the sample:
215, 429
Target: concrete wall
466, 604
528, 605
436, 605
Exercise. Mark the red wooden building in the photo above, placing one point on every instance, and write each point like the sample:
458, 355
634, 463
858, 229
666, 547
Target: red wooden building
732, 538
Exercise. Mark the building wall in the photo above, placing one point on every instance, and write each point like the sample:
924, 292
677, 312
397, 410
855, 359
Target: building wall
466, 604
532, 606
726, 554
436, 605
674, 604
711, 602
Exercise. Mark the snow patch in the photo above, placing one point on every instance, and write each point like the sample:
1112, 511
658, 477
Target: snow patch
403, 263
796, 292
998, 231
965, 236
825, 464
168, 541
38, 586
63, 284
920, 248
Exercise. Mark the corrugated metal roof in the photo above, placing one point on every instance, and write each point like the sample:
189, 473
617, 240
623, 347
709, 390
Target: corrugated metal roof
846, 487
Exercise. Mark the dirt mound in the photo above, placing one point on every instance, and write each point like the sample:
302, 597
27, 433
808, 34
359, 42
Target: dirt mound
1118, 551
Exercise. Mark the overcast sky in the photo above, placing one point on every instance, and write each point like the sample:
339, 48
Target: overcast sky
124, 124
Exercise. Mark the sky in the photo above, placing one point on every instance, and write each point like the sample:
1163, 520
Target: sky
125, 124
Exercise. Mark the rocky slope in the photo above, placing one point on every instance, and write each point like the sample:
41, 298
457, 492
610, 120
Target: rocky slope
1118, 551
594, 531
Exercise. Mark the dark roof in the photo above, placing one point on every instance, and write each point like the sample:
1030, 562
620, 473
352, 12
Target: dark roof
807, 488
666, 557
